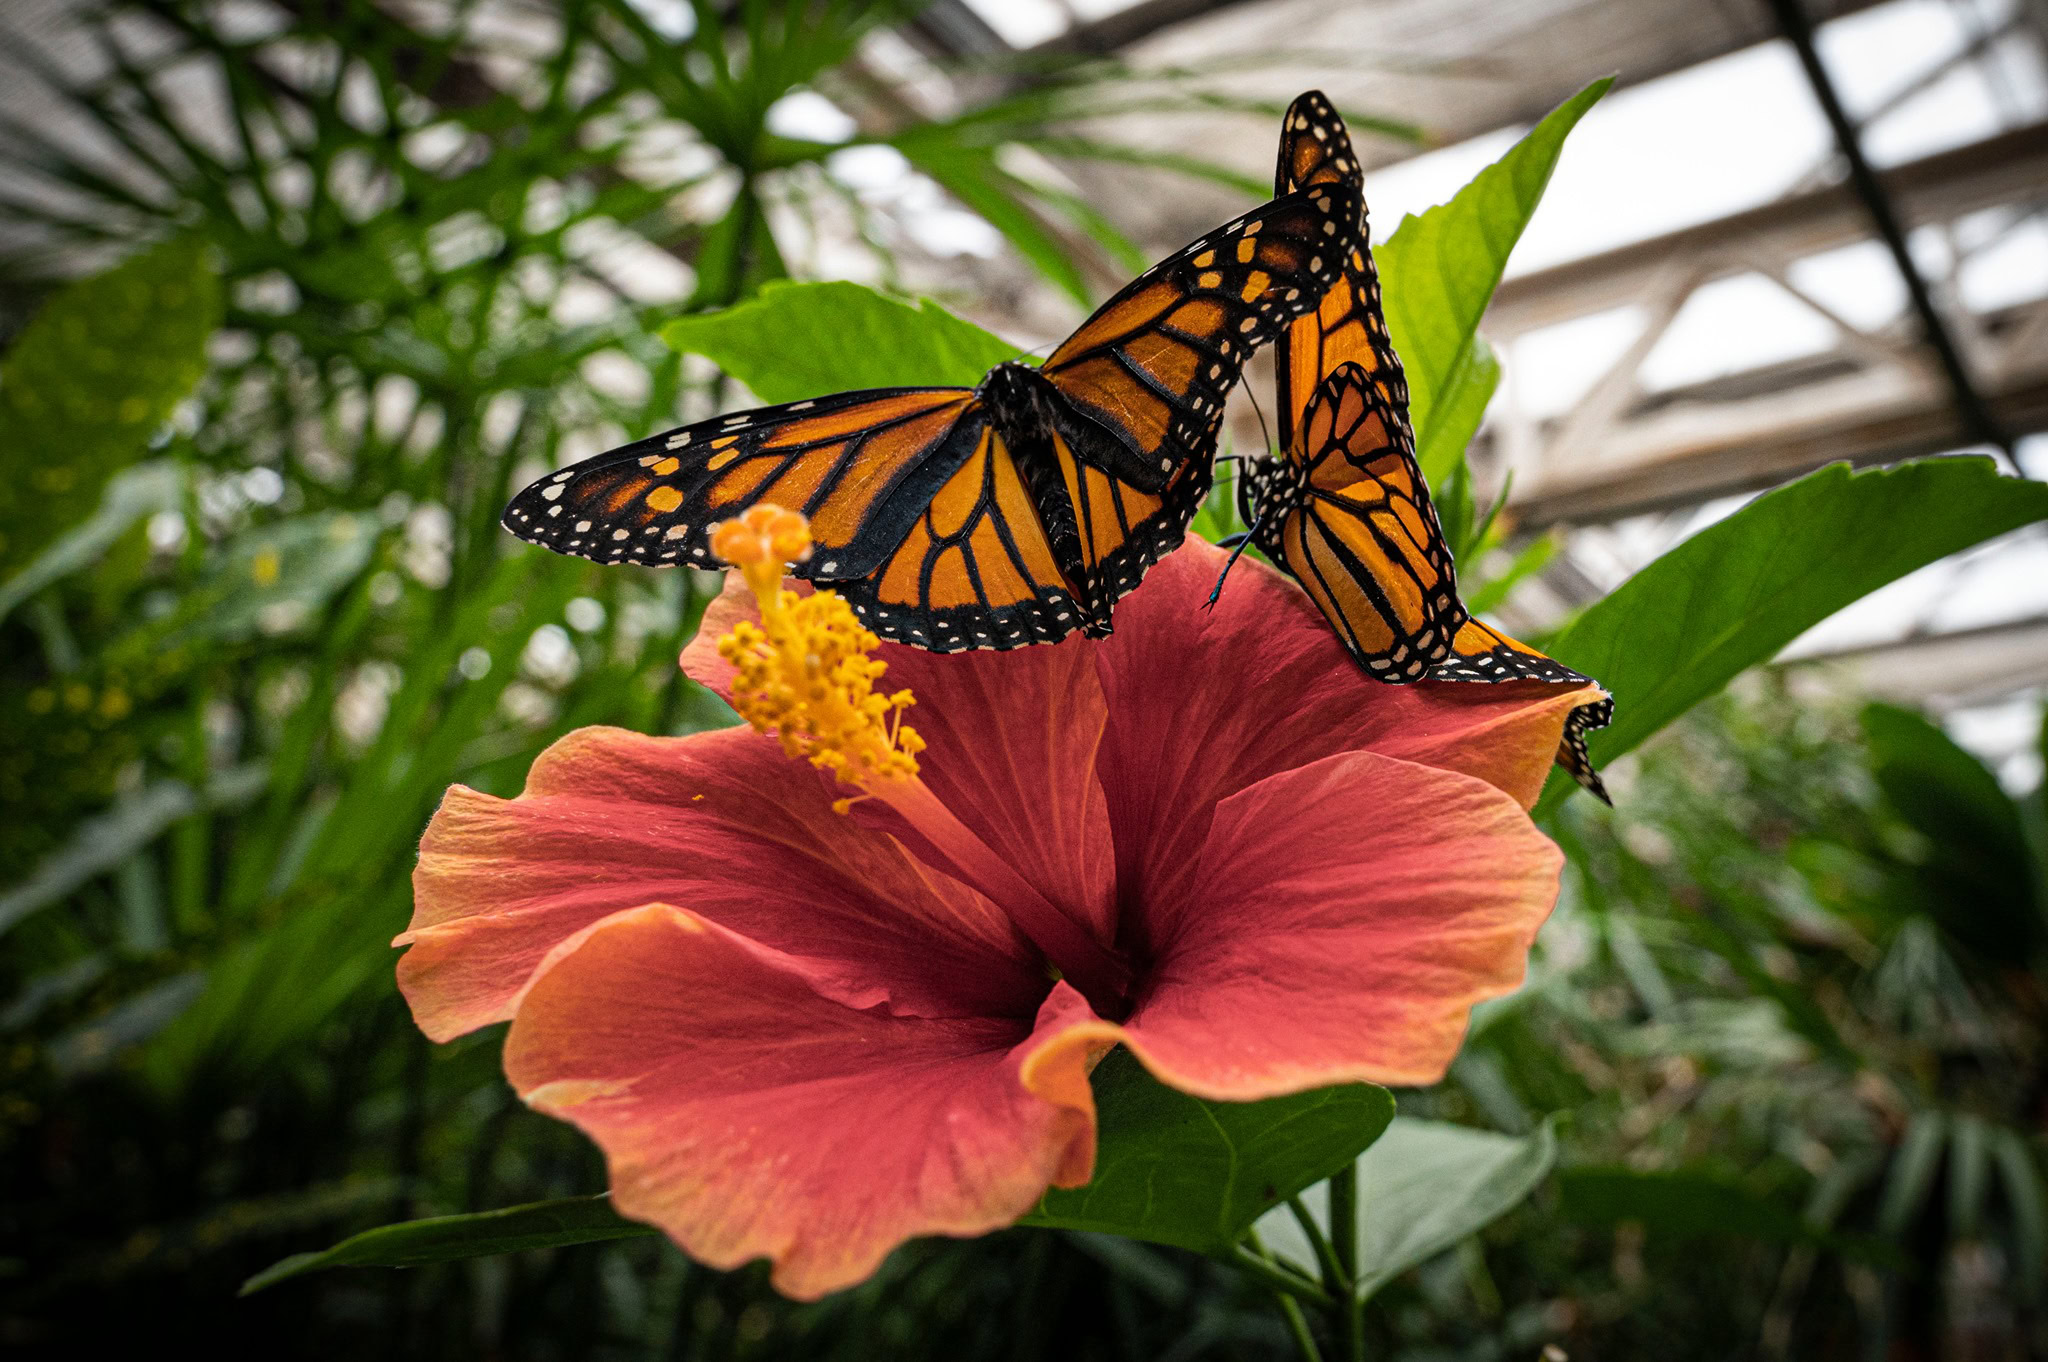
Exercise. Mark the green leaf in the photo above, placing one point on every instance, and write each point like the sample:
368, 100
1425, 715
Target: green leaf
1439, 272
278, 578
445, 1238
90, 380
1736, 593
795, 341
738, 255
102, 842
1679, 1203
971, 175
1424, 1187
1691, 1203
1911, 1179
1178, 1170
134, 493
1460, 406
2026, 1199
1978, 878
1534, 557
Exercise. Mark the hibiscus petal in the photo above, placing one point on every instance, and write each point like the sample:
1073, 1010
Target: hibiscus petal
1010, 746
722, 822
1346, 918
1202, 703
749, 1116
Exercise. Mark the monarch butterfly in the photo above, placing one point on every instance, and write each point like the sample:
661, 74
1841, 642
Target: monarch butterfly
1011, 513
1346, 510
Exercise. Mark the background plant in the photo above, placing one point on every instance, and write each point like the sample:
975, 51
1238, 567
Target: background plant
258, 614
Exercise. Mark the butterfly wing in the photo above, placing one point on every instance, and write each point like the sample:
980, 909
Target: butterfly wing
1358, 532
979, 568
1143, 381
862, 465
1349, 324
1348, 333
1482, 653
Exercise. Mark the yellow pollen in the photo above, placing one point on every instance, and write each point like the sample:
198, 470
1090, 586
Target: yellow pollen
804, 670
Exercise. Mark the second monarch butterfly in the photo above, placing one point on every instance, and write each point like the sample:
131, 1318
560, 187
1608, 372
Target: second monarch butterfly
1011, 513
1346, 511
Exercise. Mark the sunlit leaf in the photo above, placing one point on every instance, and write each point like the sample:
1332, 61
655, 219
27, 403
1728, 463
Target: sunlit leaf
1459, 407
445, 1238
1178, 1170
1423, 1187
806, 340
1439, 272
1737, 592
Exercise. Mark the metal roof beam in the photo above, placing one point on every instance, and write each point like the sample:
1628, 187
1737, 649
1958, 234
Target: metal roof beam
1978, 418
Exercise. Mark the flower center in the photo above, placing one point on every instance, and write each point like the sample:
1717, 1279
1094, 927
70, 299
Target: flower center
805, 673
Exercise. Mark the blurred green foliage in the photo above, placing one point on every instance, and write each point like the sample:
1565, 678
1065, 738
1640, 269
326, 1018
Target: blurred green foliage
1792, 1006
91, 379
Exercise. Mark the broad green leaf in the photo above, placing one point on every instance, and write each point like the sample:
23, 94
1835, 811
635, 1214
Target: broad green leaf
795, 341
1177, 1170
1423, 1187
90, 380
1439, 272
1460, 406
1737, 592
1978, 877
444, 1238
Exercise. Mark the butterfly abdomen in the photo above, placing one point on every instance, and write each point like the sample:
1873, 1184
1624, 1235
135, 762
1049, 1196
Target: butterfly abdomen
1020, 403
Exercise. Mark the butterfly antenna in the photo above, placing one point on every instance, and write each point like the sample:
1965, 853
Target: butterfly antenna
1243, 542
1264, 433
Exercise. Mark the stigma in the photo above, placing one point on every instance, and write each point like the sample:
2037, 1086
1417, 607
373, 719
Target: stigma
805, 672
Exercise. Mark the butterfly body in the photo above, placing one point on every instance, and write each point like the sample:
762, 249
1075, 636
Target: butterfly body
1014, 512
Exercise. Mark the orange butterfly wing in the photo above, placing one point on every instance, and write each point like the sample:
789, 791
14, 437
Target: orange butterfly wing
1371, 598
1356, 529
861, 465
1145, 378
1349, 324
979, 569
947, 528
1482, 653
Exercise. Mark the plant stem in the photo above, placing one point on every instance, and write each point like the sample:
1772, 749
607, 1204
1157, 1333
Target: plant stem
1333, 1271
1350, 1312
1297, 1325
1280, 1279
1290, 1308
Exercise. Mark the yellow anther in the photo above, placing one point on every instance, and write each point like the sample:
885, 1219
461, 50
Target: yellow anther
804, 670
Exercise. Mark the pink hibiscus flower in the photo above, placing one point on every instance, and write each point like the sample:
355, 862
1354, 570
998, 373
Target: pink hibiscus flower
807, 1028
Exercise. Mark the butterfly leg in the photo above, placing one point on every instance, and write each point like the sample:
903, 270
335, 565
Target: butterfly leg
1231, 541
